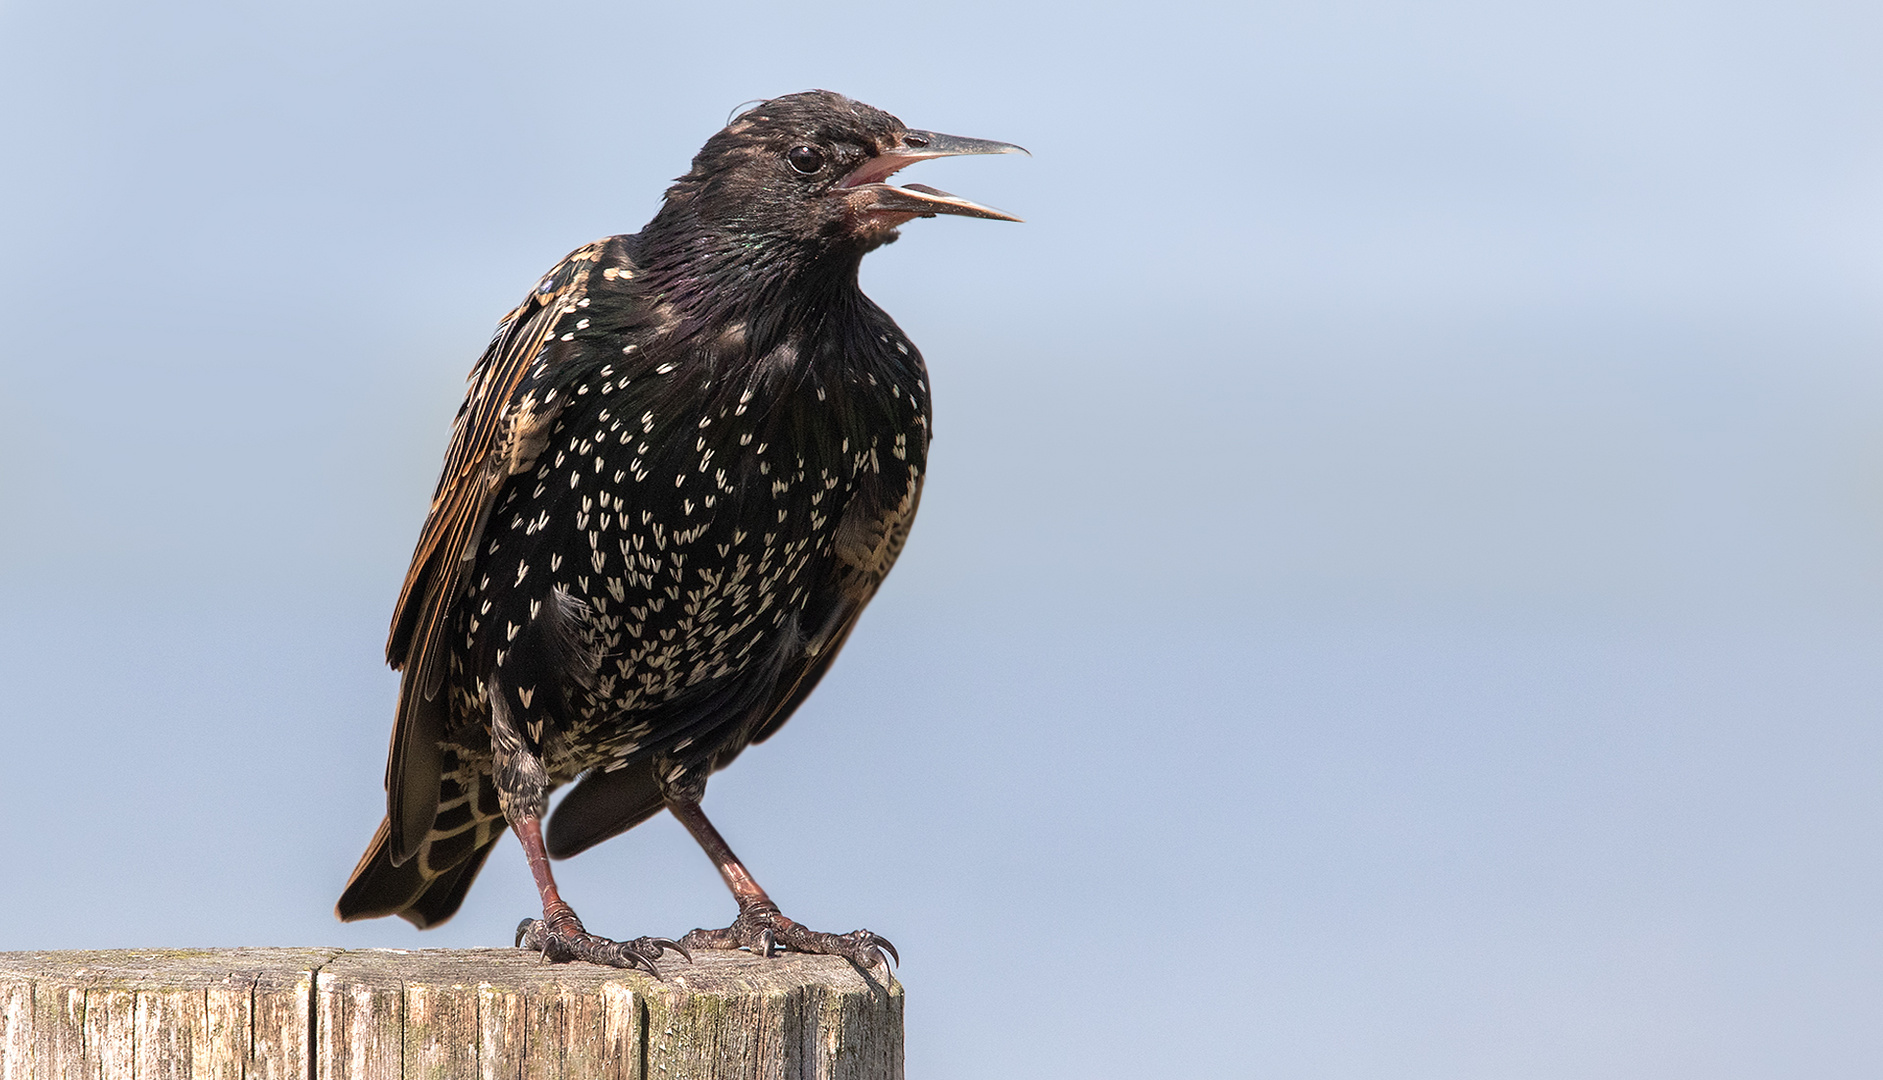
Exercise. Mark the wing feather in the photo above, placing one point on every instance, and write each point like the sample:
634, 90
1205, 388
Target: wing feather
868, 541
869, 538
492, 439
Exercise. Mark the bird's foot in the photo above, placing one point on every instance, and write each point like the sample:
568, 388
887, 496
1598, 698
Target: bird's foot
763, 929
561, 938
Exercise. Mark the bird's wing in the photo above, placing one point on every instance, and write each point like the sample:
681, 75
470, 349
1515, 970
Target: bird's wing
869, 538
608, 803
498, 433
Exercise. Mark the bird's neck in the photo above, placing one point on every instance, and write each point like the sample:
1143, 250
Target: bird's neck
710, 277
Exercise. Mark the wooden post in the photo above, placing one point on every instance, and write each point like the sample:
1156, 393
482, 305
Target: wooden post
480, 1014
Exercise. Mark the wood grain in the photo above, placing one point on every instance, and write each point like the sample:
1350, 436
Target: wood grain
156, 1014
387, 1014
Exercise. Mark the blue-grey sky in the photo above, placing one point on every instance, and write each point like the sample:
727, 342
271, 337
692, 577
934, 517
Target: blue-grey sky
1399, 590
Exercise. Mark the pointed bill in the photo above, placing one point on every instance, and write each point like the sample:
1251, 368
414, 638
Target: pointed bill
868, 190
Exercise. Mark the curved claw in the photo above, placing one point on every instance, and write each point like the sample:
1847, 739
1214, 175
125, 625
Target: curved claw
670, 945
764, 931
882, 943
635, 960
571, 942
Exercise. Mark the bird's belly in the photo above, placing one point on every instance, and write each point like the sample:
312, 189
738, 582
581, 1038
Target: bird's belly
698, 580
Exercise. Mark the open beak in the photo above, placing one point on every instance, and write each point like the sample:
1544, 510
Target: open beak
869, 192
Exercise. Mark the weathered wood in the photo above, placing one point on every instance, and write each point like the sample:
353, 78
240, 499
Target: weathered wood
221, 1013
387, 1014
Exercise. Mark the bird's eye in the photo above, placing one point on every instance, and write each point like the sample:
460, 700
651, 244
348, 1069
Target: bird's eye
805, 159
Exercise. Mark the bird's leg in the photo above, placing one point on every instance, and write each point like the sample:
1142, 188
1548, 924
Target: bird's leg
523, 789
761, 927
559, 934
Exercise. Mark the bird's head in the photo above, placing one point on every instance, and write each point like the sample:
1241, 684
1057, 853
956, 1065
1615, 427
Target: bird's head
813, 170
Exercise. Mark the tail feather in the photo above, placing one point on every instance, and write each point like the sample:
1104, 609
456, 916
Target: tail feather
427, 888
603, 804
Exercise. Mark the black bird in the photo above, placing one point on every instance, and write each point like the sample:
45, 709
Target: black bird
681, 469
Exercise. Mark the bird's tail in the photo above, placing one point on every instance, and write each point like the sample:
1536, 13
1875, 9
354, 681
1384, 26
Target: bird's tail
427, 888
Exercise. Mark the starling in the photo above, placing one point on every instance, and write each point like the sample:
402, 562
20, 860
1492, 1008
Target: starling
682, 467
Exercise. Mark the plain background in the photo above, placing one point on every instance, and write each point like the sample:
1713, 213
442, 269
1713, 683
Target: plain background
1398, 592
